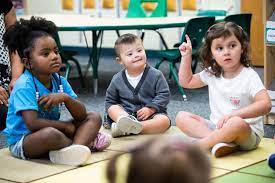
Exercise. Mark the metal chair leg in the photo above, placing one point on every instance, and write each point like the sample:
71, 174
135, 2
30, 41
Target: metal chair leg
175, 76
79, 71
159, 62
68, 70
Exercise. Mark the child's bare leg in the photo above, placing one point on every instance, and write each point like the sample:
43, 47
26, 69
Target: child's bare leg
87, 130
192, 125
115, 111
39, 143
159, 123
235, 130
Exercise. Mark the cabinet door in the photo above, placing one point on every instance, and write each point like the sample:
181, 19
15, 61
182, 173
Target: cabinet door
257, 30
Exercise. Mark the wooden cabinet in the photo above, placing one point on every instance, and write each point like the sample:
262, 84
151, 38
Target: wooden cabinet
269, 55
257, 29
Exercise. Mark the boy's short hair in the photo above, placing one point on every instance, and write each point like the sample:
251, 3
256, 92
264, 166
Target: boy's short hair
125, 39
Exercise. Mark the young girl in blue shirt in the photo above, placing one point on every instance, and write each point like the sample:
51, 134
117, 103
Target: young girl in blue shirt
34, 129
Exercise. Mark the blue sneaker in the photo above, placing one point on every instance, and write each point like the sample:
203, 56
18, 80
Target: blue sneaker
271, 161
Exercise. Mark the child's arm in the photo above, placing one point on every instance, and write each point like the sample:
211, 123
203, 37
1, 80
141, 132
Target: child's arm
75, 107
161, 98
186, 77
260, 106
16, 69
34, 123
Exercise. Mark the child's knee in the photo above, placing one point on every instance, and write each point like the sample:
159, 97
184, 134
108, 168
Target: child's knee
238, 124
51, 134
163, 118
181, 116
94, 117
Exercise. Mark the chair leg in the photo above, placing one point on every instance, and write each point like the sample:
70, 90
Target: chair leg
170, 70
162, 40
117, 33
194, 64
142, 34
79, 72
175, 76
159, 62
68, 70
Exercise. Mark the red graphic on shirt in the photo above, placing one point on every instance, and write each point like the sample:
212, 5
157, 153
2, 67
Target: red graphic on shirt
235, 101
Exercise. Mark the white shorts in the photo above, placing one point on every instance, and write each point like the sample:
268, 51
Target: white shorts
252, 142
17, 149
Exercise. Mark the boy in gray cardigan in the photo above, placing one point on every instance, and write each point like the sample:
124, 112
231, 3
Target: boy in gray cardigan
137, 96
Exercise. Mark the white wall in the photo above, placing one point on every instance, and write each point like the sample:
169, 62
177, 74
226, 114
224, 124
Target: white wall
231, 6
43, 6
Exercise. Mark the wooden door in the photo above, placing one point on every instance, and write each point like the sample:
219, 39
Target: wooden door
257, 29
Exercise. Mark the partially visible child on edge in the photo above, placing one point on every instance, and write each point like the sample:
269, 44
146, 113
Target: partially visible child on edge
165, 159
33, 126
237, 96
137, 96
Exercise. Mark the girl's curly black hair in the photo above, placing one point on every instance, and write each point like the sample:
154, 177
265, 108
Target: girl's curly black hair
21, 36
223, 29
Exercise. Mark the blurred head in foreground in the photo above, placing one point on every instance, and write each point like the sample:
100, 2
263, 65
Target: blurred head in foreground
165, 159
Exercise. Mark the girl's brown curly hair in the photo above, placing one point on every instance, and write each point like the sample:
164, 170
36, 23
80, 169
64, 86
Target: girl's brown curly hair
223, 29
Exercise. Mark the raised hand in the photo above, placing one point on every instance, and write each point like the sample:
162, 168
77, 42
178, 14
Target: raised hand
186, 47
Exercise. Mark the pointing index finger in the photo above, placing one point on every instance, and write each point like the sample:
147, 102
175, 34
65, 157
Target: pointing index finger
188, 41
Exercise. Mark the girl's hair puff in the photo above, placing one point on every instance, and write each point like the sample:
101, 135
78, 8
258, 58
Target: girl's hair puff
223, 29
21, 36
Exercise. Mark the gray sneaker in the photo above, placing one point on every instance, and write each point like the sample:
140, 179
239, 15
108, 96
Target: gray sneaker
129, 124
117, 132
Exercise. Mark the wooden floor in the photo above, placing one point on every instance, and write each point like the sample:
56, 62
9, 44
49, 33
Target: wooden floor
242, 166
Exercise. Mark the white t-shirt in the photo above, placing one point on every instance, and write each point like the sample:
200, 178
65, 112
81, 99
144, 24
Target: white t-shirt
133, 80
226, 95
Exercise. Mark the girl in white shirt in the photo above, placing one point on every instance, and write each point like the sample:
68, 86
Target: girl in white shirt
237, 96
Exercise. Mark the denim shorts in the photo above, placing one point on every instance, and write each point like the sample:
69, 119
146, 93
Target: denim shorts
252, 142
17, 149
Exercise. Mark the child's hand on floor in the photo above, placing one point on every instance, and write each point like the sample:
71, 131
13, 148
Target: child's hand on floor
145, 112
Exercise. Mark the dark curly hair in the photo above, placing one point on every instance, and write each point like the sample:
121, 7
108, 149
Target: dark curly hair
223, 29
21, 36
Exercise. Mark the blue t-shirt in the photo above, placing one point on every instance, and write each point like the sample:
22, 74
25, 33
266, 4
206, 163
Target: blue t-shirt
23, 97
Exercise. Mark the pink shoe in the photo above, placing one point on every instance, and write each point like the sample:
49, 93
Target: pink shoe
101, 142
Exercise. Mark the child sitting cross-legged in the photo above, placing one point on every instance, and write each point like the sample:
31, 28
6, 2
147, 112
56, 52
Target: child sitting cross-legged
237, 96
137, 96
34, 129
